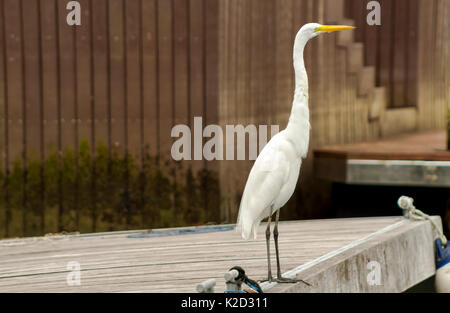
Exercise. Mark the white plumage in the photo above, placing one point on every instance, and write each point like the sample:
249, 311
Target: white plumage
272, 180
274, 174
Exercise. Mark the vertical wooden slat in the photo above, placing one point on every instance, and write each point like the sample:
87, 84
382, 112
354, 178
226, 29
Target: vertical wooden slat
330, 88
223, 104
358, 14
424, 72
125, 112
283, 68
210, 76
341, 85
15, 107
385, 49
117, 78
133, 76
84, 104
83, 60
67, 78
180, 80
211, 54
67, 112
180, 61
165, 71
196, 67
250, 76
150, 75
4, 145
411, 54
370, 41
433, 61
59, 93
100, 58
33, 129
49, 96
400, 46
231, 93
14, 63
32, 77
239, 93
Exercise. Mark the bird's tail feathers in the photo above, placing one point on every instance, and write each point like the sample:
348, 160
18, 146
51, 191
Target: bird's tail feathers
246, 225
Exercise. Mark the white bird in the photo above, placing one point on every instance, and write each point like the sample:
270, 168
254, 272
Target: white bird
274, 174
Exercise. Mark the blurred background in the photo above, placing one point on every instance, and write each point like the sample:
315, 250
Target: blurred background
86, 111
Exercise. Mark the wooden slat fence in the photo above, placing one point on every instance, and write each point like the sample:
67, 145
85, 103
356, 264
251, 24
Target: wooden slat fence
86, 111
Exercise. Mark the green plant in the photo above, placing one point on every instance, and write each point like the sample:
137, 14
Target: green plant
89, 190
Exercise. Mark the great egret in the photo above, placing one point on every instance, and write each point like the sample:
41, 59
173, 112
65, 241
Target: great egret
274, 174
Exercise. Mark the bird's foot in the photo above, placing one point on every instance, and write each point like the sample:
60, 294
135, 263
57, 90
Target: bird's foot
281, 279
268, 279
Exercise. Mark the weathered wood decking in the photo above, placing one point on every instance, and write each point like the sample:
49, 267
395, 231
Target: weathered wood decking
417, 159
332, 255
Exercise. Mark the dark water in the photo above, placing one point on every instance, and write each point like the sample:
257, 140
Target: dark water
427, 286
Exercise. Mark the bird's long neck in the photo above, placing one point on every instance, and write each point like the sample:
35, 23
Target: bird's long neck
298, 125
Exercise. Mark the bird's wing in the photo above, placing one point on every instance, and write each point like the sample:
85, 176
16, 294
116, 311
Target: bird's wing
267, 176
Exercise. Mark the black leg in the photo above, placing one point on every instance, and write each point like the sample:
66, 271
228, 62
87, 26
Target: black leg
280, 278
275, 237
269, 272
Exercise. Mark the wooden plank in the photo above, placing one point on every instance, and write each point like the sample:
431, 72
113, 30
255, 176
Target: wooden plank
83, 61
400, 48
223, 104
269, 49
197, 67
283, 68
330, 86
16, 136
358, 14
319, 103
165, 71
67, 78
428, 145
32, 118
211, 55
371, 43
100, 118
234, 182
340, 79
210, 67
119, 262
117, 59
150, 76
133, 12
411, 83
242, 39
180, 83
384, 75
32, 77
66, 84
180, 57
15, 79
4, 143
50, 91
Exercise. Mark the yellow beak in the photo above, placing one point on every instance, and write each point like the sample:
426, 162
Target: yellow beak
332, 28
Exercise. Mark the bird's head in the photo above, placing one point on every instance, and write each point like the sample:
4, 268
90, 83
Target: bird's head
312, 30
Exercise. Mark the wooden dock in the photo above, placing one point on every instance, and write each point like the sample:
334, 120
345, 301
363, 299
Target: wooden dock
331, 255
416, 159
